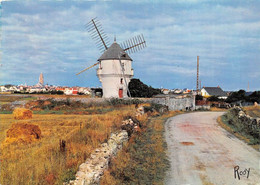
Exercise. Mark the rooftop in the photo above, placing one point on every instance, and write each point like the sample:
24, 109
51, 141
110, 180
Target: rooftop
215, 91
113, 52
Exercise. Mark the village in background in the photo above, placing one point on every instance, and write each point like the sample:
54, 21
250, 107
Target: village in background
42, 88
208, 93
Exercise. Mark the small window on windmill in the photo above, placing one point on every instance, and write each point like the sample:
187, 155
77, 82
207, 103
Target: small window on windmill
121, 80
123, 66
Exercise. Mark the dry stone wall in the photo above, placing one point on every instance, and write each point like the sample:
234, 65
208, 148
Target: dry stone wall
93, 168
91, 171
176, 103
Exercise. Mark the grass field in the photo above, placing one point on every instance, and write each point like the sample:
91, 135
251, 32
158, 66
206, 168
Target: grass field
253, 111
42, 162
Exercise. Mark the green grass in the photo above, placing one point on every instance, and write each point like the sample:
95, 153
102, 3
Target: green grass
29, 98
6, 112
48, 112
241, 127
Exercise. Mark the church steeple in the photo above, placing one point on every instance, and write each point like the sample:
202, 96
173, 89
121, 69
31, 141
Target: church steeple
41, 81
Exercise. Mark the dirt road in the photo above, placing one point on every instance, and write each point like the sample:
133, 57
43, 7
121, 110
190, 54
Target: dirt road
201, 152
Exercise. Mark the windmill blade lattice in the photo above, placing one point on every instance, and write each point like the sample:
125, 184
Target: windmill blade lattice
134, 44
97, 33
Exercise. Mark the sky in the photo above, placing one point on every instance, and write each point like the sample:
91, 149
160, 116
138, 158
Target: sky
50, 37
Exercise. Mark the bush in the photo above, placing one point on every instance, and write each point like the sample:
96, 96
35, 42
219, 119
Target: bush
117, 101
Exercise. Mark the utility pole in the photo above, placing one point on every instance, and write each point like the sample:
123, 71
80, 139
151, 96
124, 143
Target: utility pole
197, 74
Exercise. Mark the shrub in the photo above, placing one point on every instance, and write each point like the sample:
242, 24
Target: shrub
117, 101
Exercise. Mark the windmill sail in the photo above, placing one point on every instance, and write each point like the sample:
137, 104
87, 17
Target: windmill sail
97, 33
134, 44
87, 68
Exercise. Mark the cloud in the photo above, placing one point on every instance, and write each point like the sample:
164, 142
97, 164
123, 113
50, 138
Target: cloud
50, 37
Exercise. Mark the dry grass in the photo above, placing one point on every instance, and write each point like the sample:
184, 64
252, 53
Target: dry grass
22, 132
22, 113
42, 162
217, 109
59, 96
253, 111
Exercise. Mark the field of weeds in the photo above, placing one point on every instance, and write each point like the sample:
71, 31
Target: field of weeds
47, 161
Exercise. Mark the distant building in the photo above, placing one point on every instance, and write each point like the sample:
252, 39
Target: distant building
165, 91
213, 91
71, 91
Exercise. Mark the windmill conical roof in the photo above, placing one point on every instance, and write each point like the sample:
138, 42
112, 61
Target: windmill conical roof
113, 52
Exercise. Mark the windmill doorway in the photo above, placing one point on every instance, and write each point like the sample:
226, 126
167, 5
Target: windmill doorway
120, 93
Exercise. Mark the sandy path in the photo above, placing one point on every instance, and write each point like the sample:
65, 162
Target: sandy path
201, 152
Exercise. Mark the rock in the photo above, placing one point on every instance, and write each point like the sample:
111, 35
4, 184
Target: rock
241, 114
140, 110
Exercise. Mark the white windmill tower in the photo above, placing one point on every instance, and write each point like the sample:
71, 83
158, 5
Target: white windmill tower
115, 65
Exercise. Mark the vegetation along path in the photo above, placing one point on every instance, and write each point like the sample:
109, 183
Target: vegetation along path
201, 152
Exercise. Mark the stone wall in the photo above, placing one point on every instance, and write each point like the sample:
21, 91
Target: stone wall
91, 171
93, 168
180, 102
202, 107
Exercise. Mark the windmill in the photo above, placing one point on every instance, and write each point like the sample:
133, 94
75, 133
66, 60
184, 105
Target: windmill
114, 65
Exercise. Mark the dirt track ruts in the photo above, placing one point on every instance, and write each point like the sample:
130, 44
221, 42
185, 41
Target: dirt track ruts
201, 152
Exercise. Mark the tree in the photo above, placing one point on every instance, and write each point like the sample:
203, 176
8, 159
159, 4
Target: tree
236, 96
254, 97
139, 89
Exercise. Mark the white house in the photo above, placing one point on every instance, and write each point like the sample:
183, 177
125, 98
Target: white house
213, 91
